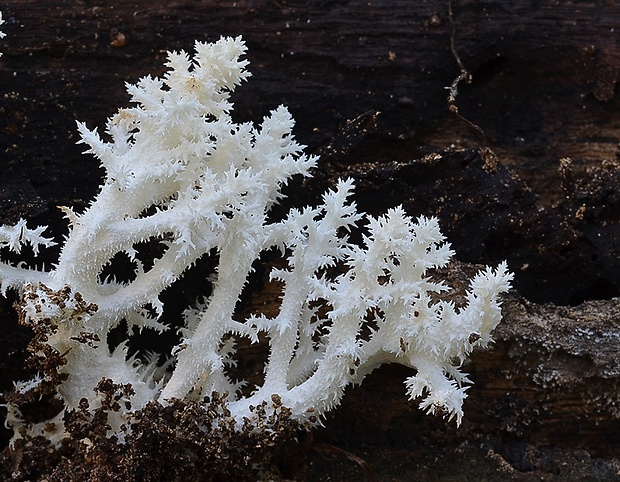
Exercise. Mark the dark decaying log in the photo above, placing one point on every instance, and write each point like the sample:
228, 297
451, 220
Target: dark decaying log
542, 90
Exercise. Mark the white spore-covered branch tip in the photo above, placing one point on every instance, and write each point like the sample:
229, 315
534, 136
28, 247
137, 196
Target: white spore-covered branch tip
182, 182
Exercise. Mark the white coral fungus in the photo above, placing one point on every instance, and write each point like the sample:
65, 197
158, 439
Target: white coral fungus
181, 174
